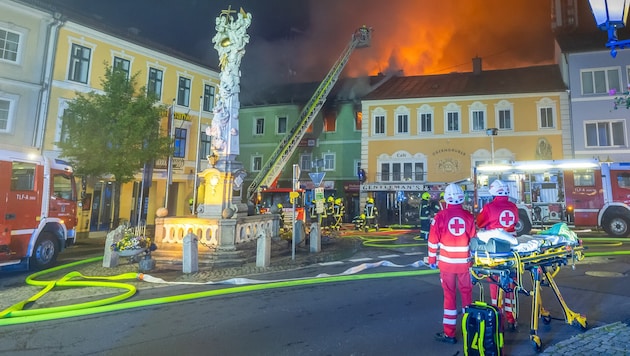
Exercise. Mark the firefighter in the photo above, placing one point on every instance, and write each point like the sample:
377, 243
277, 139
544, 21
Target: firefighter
338, 212
281, 213
312, 212
359, 222
330, 211
451, 231
427, 210
441, 203
371, 214
500, 213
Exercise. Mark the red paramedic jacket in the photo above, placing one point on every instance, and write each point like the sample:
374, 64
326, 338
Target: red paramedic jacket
500, 213
451, 231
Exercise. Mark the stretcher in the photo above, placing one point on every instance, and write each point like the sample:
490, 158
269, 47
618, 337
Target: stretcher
542, 257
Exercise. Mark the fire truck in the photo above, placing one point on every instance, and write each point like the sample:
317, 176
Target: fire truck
39, 211
270, 198
580, 193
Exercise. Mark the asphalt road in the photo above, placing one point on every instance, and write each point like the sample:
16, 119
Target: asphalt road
389, 315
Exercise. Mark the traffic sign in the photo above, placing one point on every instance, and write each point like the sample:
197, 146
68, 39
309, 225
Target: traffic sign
317, 177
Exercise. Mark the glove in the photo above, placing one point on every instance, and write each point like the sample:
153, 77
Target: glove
433, 266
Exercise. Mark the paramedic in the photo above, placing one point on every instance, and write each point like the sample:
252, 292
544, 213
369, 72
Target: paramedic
451, 231
500, 213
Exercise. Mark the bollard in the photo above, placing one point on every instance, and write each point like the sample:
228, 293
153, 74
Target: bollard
146, 263
263, 249
315, 241
190, 259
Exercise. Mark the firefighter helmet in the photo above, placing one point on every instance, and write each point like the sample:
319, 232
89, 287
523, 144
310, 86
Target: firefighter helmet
499, 188
370, 200
338, 201
453, 194
331, 199
279, 206
441, 195
426, 196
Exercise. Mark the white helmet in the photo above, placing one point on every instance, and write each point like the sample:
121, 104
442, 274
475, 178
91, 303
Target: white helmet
453, 194
499, 188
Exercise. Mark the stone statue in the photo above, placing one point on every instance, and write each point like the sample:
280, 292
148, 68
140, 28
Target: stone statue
229, 41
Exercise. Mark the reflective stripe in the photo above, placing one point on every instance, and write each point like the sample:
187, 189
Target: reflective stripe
507, 309
449, 321
450, 312
432, 245
454, 248
432, 254
453, 260
493, 301
508, 301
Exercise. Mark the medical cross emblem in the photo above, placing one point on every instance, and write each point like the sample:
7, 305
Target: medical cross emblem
507, 218
456, 226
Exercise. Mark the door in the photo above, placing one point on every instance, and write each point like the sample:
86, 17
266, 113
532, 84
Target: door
101, 207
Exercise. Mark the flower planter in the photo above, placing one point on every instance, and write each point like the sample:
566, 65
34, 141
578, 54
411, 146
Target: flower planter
131, 252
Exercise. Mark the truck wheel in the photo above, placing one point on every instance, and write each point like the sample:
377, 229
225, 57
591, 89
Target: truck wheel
45, 252
617, 226
523, 226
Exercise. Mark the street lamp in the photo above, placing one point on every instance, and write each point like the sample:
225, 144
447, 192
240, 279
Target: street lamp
611, 15
492, 132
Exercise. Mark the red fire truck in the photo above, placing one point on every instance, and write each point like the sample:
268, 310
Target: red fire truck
271, 197
581, 193
39, 211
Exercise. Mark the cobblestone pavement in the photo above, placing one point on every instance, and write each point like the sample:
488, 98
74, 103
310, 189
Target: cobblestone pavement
611, 339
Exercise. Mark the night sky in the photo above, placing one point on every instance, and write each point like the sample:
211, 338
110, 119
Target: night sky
299, 40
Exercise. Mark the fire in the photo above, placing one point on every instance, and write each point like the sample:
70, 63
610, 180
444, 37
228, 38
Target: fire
421, 37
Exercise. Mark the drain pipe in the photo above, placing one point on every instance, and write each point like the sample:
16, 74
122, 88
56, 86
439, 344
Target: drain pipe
50, 51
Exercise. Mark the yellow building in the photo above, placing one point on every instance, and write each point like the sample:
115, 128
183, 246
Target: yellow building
422, 132
182, 84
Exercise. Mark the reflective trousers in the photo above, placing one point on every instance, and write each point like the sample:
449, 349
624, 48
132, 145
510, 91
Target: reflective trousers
451, 282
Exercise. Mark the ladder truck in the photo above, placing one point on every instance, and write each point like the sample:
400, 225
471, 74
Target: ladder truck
279, 158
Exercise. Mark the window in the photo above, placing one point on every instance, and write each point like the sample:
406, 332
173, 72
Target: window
22, 176
452, 121
180, 143
605, 133
306, 162
358, 120
5, 115
122, 64
402, 124
9, 45
451, 118
504, 115
623, 180
208, 98
330, 121
584, 178
79, 64
205, 144
378, 120
256, 163
62, 187
379, 125
600, 80
183, 92
402, 167
259, 129
385, 172
478, 121
426, 123
154, 86
329, 161
546, 113
282, 125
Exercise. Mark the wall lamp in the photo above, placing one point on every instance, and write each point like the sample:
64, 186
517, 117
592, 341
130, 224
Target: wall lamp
611, 15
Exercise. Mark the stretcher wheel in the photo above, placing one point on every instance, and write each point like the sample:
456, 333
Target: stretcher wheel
536, 343
546, 319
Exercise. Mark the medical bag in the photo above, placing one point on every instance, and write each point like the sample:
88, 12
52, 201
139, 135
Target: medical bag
483, 334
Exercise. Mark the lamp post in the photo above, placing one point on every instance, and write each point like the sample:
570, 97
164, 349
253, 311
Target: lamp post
492, 132
611, 15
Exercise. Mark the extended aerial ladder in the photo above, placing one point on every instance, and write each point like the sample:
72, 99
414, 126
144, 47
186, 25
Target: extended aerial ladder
282, 154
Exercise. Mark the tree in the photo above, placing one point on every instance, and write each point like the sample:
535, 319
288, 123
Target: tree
114, 133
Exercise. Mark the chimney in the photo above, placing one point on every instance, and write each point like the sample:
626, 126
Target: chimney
476, 65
